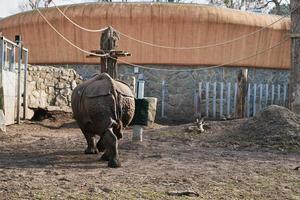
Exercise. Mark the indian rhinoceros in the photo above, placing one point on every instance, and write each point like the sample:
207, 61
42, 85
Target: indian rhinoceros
103, 106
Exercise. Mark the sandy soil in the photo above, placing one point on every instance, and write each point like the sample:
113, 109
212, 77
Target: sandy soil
46, 161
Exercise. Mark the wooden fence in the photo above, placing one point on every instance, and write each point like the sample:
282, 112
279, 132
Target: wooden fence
219, 99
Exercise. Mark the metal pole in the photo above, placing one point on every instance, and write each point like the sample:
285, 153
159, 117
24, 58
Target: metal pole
1, 53
19, 81
25, 85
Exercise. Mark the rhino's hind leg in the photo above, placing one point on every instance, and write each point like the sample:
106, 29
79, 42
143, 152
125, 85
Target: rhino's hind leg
105, 156
100, 145
91, 148
110, 142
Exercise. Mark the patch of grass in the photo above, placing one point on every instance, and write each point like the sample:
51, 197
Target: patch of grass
39, 196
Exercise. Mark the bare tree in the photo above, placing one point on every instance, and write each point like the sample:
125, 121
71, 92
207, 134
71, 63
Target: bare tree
32, 4
253, 5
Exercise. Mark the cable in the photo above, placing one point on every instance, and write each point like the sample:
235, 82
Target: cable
134, 65
211, 67
63, 37
77, 25
176, 48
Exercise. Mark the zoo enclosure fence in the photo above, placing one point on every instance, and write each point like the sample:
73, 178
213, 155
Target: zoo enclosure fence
218, 100
13, 77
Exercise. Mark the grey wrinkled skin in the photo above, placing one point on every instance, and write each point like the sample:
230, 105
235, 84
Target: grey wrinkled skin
103, 106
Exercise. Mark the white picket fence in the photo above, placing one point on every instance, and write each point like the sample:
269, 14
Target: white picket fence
218, 99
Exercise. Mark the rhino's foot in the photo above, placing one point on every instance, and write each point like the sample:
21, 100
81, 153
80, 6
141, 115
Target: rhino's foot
114, 163
104, 157
91, 151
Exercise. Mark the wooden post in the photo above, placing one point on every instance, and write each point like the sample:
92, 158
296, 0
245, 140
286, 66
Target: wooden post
109, 42
294, 94
242, 92
19, 42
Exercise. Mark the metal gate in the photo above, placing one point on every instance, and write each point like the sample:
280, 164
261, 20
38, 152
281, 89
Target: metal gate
13, 75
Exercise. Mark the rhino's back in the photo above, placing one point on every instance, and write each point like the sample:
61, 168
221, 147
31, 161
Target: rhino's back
93, 104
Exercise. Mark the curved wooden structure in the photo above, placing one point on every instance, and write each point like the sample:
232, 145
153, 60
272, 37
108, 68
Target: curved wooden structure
165, 24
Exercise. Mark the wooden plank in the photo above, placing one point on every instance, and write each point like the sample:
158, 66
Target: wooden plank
228, 99
284, 95
235, 97
221, 99
260, 96
163, 98
214, 98
267, 95
254, 99
207, 98
278, 95
272, 94
248, 100
196, 103
200, 97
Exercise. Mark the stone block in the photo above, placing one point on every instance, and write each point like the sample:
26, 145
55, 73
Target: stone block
31, 86
2, 121
60, 85
152, 109
61, 101
73, 84
66, 92
52, 108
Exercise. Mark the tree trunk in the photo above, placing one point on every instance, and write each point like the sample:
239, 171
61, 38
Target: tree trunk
109, 41
294, 91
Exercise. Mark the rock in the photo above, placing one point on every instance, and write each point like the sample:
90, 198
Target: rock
52, 108
66, 108
60, 85
152, 109
31, 86
61, 101
73, 84
51, 90
32, 102
29, 78
35, 93
66, 92
2, 121
43, 99
64, 78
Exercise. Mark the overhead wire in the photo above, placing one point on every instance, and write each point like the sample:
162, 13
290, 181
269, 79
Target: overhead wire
211, 67
77, 25
68, 41
172, 47
145, 67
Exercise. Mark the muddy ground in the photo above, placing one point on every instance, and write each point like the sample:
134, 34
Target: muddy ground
46, 161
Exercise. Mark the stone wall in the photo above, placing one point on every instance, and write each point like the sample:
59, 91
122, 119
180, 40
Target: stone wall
181, 87
51, 87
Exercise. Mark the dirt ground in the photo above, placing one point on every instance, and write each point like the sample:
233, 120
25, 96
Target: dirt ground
46, 161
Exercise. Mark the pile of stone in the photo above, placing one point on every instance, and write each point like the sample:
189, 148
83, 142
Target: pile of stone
275, 127
50, 87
